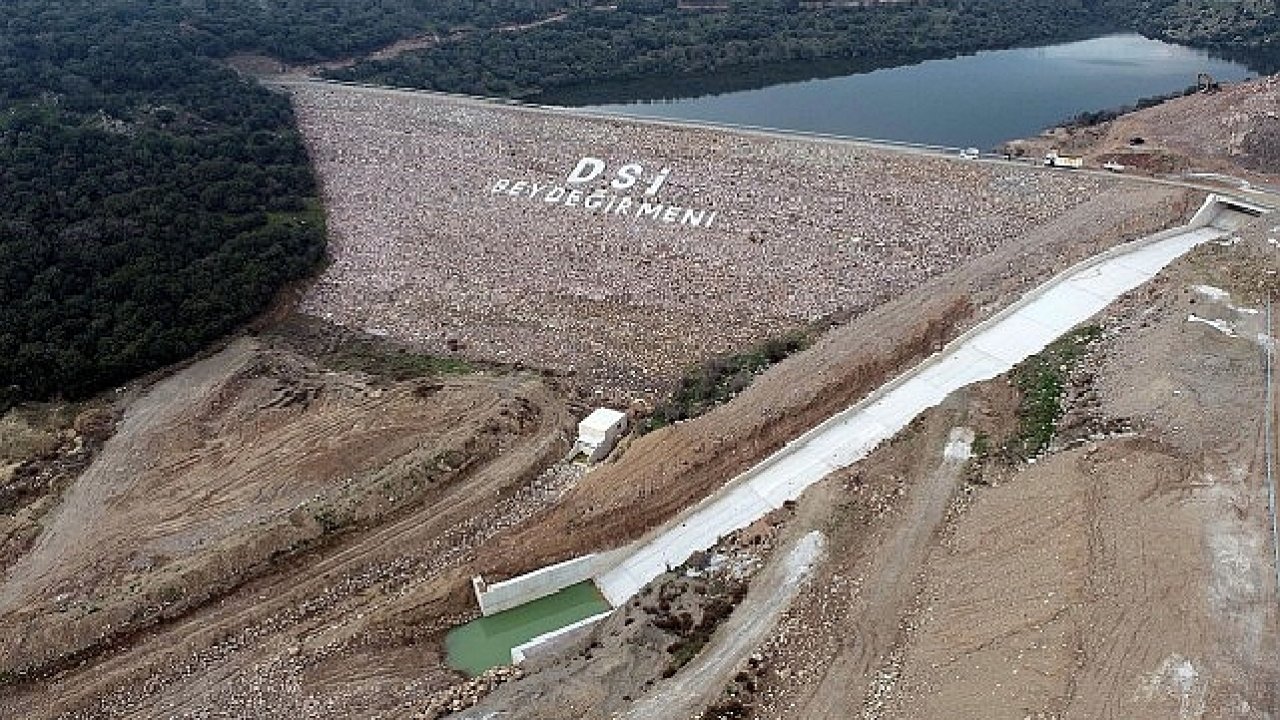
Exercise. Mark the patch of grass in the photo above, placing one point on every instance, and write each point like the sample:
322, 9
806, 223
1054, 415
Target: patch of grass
730, 709
451, 460
682, 652
1041, 379
397, 364
311, 213
695, 636
975, 469
345, 350
721, 378
981, 445
21, 439
328, 520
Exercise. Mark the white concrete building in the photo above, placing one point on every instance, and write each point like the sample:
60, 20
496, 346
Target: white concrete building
599, 432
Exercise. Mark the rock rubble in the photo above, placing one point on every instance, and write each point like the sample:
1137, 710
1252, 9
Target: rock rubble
424, 251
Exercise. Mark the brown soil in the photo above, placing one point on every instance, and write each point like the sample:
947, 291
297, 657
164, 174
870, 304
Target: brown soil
1235, 131
674, 467
43, 448
1126, 576
287, 527
256, 474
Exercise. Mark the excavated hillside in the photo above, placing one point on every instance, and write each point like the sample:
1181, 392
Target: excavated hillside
287, 527
1233, 131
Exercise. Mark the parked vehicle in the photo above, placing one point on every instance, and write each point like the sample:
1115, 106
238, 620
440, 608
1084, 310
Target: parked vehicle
1053, 159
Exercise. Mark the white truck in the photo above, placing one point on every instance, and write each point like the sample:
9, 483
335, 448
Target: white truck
1053, 159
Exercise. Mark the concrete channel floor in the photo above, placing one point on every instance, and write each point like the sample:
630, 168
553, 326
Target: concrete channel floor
987, 351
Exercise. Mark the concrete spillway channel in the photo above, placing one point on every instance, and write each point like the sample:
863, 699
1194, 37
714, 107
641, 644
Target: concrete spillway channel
987, 351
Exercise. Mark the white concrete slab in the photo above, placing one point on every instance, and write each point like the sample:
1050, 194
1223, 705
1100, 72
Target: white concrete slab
548, 641
1065, 298
889, 414
968, 363
992, 348
1017, 337
1110, 282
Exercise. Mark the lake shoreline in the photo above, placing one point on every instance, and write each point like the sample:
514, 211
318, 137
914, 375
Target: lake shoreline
978, 100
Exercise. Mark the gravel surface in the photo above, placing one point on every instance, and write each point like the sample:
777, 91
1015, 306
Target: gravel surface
423, 249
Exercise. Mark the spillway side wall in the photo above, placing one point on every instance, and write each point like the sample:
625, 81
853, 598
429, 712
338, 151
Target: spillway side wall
540, 583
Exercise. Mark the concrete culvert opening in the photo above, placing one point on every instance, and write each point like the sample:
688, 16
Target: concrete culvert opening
1226, 213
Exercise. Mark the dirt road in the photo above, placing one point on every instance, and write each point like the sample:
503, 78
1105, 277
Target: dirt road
888, 587
1234, 132
771, 592
288, 508
1126, 575
75, 528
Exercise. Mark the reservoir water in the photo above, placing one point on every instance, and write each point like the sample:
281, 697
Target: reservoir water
487, 641
977, 100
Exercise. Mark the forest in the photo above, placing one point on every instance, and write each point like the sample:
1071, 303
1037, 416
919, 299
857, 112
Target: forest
614, 52
152, 200
646, 40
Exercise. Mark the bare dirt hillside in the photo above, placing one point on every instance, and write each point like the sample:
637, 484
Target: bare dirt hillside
43, 449
254, 492
1127, 573
229, 592
672, 468
287, 527
1234, 131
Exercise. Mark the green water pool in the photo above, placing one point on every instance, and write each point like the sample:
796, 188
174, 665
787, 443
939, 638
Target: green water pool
487, 641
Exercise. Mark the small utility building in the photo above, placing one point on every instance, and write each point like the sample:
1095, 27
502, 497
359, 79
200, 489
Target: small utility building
599, 432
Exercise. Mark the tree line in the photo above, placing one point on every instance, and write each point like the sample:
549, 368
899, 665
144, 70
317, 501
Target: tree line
635, 41
151, 199
614, 53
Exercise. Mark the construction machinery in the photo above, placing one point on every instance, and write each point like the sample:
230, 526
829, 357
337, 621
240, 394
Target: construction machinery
1053, 159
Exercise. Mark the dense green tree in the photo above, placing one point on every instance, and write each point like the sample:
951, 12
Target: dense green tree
599, 55
151, 199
